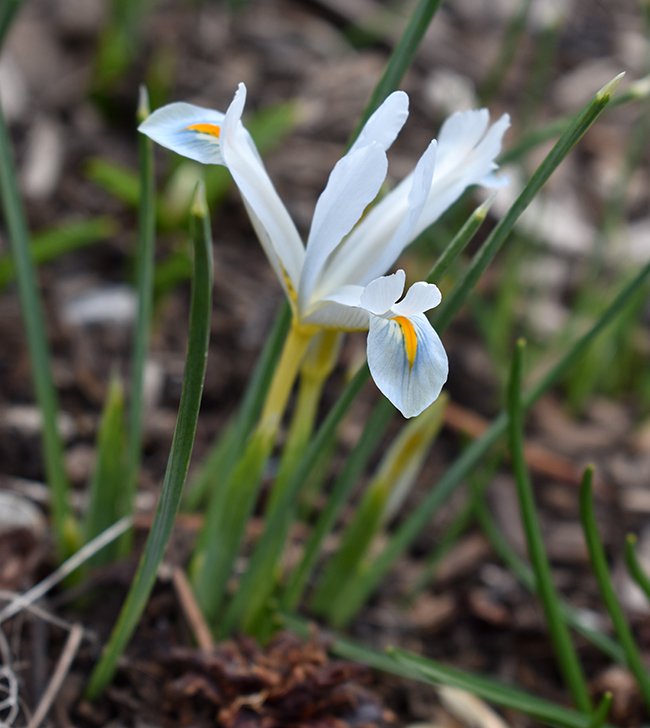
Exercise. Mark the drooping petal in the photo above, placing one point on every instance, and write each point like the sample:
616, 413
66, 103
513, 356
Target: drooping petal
379, 295
353, 184
420, 297
189, 130
385, 123
407, 361
272, 222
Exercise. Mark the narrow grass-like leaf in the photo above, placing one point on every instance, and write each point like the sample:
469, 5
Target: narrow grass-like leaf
607, 591
55, 242
636, 91
408, 665
107, 497
65, 527
634, 567
524, 574
347, 479
498, 236
566, 655
144, 286
179, 456
8, 11
116, 179
491, 690
401, 58
602, 711
394, 478
418, 520
459, 242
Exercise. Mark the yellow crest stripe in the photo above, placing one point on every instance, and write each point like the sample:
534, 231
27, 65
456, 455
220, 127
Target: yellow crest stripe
211, 129
410, 338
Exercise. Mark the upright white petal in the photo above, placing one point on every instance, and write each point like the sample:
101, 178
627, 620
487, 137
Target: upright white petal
420, 297
272, 222
353, 259
385, 123
353, 184
170, 125
459, 134
341, 310
379, 295
407, 361
467, 158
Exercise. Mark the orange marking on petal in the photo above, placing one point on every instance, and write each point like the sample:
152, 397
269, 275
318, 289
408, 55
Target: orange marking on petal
211, 129
410, 338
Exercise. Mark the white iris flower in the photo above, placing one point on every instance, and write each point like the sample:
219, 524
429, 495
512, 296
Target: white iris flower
336, 280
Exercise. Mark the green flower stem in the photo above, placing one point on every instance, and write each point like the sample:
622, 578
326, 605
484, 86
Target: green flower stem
601, 572
228, 514
179, 456
66, 531
222, 457
315, 370
401, 58
498, 236
634, 567
520, 569
413, 525
560, 637
106, 497
410, 666
249, 602
144, 286
276, 525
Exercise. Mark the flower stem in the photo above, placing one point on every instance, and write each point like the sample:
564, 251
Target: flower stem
234, 500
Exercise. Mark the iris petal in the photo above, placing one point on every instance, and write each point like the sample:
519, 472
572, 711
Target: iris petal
170, 125
419, 298
410, 385
385, 123
352, 185
379, 295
